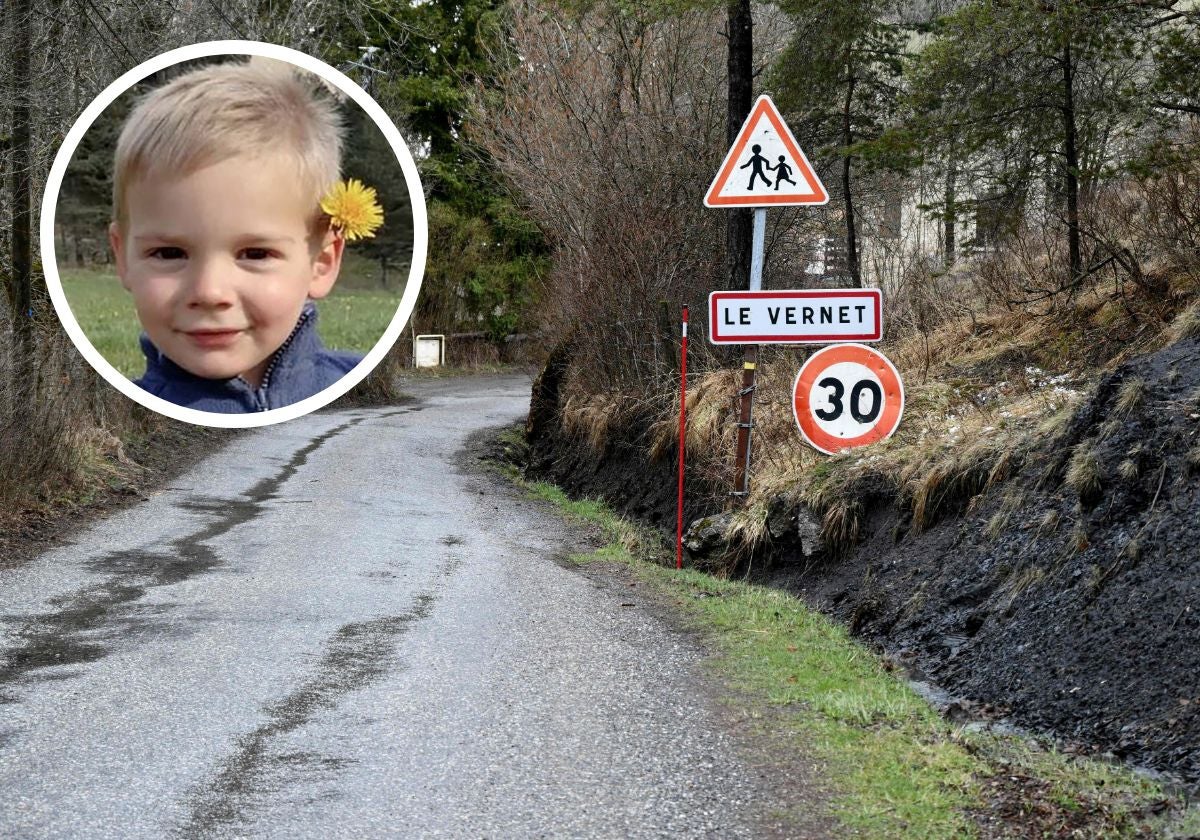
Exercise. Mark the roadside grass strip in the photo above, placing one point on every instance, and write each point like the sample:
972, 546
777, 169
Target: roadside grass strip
894, 767
898, 772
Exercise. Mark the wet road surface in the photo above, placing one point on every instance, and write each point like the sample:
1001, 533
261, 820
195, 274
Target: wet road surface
332, 628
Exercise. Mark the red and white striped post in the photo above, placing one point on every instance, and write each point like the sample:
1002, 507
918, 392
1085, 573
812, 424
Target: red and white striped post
682, 441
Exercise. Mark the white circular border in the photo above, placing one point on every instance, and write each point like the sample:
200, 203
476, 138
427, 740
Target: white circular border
812, 411
211, 418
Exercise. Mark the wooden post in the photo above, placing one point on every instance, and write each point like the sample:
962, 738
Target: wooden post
741, 479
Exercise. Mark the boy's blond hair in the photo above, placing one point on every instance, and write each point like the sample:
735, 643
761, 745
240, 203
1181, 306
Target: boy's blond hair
209, 115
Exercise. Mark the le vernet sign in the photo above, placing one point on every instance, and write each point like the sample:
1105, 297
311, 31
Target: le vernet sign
809, 316
852, 395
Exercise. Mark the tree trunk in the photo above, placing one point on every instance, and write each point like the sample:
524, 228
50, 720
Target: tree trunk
383, 271
739, 222
847, 139
741, 98
21, 281
951, 217
1071, 155
668, 346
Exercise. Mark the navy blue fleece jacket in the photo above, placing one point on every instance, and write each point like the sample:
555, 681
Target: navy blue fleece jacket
301, 367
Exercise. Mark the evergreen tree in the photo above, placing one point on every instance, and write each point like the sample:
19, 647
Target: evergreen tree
1041, 94
1176, 84
841, 76
431, 56
370, 159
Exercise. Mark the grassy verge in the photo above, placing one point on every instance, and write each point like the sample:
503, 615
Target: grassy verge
895, 768
353, 317
105, 312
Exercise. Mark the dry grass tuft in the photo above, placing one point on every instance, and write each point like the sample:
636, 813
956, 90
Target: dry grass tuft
1083, 474
1004, 467
591, 418
710, 417
999, 521
664, 434
1016, 585
711, 406
996, 524
1187, 323
1131, 396
1049, 523
1109, 428
840, 526
821, 491
951, 482
1058, 422
747, 529
1128, 470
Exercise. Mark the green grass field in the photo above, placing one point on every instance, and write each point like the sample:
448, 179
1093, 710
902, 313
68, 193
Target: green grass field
353, 317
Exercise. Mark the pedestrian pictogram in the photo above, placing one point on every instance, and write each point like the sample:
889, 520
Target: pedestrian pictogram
782, 171
845, 396
764, 157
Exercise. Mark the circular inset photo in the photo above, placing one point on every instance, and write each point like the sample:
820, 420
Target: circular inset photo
234, 234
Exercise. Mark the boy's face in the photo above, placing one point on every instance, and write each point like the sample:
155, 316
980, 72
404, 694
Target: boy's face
220, 262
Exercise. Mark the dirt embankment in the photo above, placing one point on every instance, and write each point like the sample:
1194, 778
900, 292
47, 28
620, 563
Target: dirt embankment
624, 474
1067, 597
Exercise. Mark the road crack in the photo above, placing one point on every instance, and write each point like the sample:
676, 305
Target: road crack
68, 635
356, 655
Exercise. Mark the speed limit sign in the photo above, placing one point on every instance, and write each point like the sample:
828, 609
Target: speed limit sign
847, 395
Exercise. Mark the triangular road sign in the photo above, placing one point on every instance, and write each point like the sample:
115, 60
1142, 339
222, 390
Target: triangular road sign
765, 166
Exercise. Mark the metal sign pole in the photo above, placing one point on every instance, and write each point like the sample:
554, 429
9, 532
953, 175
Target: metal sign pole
741, 480
756, 252
766, 147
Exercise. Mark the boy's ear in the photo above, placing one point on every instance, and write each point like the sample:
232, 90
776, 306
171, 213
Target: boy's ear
326, 264
118, 248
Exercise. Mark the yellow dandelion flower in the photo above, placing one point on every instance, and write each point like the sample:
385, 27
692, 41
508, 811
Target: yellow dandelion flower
352, 209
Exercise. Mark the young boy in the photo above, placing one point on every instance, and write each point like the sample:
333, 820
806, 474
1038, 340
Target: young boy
220, 235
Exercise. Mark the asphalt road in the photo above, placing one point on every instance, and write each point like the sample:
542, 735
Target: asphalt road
334, 628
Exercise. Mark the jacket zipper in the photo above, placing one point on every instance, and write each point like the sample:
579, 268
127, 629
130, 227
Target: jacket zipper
261, 394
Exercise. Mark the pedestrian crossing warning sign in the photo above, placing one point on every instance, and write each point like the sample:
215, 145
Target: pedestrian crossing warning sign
766, 166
